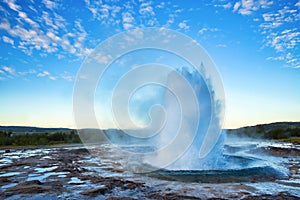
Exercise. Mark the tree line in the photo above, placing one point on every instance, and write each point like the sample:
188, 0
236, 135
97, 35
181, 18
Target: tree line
8, 138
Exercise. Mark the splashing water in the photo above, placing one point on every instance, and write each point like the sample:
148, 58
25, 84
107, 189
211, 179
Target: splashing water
190, 159
180, 126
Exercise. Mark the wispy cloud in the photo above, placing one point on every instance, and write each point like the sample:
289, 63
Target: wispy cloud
105, 13
281, 35
103, 59
7, 73
128, 20
246, 7
236, 6
9, 70
12, 5
67, 76
45, 33
8, 40
128, 15
225, 6
46, 74
222, 45
183, 25
146, 9
11, 73
205, 29
276, 26
24, 73
49, 4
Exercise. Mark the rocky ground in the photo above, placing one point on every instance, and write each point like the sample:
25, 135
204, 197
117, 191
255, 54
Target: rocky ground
73, 173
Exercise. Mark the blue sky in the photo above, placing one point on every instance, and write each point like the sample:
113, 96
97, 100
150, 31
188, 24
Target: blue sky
254, 43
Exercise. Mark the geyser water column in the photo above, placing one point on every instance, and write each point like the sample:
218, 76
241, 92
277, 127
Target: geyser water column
193, 159
157, 88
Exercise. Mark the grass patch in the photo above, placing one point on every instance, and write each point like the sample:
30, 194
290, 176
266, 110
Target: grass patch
294, 140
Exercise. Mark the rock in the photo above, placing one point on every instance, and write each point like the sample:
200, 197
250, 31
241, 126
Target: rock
119, 198
279, 196
4, 181
31, 187
35, 187
173, 196
282, 152
96, 191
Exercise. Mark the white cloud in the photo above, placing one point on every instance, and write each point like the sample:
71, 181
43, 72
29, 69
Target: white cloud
127, 17
128, 20
236, 6
127, 26
161, 5
4, 24
183, 25
8, 40
246, 7
9, 70
49, 4
44, 73
204, 30
171, 20
34, 37
297, 4
12, 5
53, 37
146, 9
67, 77
103, 59
278, 27
23, 15
275, 58
265, 3
31, 71
222, 45
50, 22
227, 6
52, 78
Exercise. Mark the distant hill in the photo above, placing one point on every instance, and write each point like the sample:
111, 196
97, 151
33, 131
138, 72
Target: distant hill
271, 126
29, 129
277, 130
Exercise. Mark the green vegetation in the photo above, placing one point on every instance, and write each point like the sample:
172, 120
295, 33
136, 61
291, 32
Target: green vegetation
295, 140
283, 131
8, 138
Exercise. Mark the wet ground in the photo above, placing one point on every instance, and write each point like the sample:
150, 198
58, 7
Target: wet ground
71, 172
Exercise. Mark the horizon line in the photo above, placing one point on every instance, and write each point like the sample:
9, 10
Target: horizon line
72, 128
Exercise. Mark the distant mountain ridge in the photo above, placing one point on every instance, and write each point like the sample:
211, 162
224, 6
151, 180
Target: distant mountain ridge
27, 135
31, 129
266, 127
277, 130
273, 125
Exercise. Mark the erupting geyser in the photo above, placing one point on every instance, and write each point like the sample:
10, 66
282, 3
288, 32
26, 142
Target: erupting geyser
163, 114
190, 116
163, 99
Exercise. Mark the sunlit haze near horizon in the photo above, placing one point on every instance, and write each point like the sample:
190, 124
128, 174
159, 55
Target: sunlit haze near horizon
254, 44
